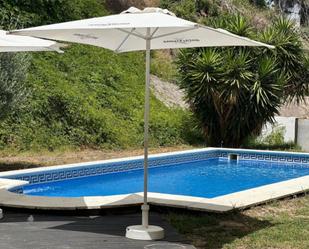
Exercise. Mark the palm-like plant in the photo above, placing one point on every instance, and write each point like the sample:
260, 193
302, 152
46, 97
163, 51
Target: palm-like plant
290, 57
234, 91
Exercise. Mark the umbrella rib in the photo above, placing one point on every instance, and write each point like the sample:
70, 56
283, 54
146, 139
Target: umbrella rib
125, 39
132, 33
136, 32
176, 32
156, 29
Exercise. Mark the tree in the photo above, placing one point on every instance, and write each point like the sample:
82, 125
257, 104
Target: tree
234, 91
13, 73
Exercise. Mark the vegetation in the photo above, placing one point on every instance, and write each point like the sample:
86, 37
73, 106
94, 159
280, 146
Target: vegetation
87, 97
13, 72
163, 66
272, 141
192, 10
220, 83
38, 12
14, 160
280, 224
90, 97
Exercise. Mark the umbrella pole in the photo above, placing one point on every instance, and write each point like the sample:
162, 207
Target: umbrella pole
145, 206
146, 231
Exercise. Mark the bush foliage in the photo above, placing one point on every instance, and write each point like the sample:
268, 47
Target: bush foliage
13, 73
37, 12
271, 141
86, 97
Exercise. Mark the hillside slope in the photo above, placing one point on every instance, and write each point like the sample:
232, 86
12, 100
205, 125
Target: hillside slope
91, 97
86, 97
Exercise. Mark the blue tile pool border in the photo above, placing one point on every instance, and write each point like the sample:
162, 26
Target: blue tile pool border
50, 175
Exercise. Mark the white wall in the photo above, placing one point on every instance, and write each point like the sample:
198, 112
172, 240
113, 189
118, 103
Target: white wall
296, 130
303, 134
289, 123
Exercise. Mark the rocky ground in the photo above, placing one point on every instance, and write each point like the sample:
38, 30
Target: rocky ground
168, 93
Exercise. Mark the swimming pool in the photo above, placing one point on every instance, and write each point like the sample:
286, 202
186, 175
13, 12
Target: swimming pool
204, 179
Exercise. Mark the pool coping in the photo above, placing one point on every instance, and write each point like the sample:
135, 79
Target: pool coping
224, 203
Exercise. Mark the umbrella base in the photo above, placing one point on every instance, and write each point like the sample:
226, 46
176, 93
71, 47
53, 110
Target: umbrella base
140, 232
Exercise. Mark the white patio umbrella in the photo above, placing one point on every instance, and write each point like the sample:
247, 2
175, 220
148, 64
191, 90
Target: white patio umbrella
16, 43
133, 30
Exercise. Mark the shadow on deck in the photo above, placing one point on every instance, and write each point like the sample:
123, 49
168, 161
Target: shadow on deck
38, 231
30, 230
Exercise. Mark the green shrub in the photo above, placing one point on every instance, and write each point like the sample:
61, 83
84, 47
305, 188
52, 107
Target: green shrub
13, 73
192, 10
91, 97
38, 12
276, 136
162, 65
259, 3
272, 141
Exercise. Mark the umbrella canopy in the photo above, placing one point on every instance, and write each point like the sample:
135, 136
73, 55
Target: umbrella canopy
133, 30
15, 43
128, 32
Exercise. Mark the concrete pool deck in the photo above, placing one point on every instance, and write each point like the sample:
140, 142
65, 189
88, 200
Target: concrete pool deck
238, 200
224, 203
34, 231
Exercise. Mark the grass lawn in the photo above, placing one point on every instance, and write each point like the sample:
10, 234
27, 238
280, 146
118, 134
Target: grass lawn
13, 160
280, 224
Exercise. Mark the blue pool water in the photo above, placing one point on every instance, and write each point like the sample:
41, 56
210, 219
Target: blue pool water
207, 178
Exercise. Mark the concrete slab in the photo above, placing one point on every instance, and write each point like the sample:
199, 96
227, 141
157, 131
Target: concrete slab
37, 231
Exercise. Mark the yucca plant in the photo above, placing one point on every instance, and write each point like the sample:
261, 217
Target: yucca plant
234, 91
290, 57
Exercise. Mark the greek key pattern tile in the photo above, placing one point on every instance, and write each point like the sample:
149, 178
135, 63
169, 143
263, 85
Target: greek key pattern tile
82, 171
266, 156
107, 168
